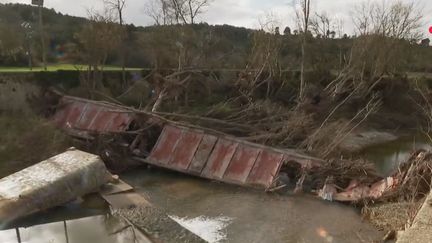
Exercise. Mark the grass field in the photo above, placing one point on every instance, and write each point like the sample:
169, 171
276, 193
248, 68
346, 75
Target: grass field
57, 67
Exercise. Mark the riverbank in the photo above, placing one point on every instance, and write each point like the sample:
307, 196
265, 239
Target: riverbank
30, 138
421, 228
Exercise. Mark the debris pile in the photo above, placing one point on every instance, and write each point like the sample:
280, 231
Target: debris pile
411, 182
140, 137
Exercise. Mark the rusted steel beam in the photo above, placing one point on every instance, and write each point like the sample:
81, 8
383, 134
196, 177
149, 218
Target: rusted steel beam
50, 183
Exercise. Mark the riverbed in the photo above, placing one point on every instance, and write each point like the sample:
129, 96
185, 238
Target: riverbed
217, 212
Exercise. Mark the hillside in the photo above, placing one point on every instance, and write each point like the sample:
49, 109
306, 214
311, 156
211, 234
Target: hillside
191, 46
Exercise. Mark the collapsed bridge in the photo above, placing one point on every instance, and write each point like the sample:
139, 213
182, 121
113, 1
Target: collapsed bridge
151, 139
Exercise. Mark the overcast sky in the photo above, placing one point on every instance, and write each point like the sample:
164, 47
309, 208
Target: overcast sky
244, 13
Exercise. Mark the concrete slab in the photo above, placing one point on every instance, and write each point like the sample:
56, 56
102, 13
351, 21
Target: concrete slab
50, 183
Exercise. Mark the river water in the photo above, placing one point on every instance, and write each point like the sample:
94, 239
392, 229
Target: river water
217, 212
253, 216
387, 157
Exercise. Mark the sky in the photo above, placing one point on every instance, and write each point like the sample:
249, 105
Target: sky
246, 13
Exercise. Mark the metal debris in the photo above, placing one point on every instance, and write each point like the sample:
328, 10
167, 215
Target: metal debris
226, 159
180, 147
86, 115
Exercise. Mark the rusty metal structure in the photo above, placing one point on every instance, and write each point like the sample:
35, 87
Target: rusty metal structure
226, 159
179, 147
86, 115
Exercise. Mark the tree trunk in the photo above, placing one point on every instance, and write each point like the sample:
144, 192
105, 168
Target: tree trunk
302, 72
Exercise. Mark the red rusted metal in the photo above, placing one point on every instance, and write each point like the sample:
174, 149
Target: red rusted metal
266, 168
202, 154
241, 164
188, 150
219, 158
79, 114
165, 146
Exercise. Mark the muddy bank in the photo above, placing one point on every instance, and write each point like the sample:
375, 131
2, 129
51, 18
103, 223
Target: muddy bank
420, 231
360, 140
26, 140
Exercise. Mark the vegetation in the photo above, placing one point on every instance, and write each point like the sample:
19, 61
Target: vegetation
59, 67
309, 88
27, 141
197, 45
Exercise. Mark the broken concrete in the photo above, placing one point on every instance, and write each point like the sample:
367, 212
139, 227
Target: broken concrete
51, 183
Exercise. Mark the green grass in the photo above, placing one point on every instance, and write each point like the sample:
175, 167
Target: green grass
57, 67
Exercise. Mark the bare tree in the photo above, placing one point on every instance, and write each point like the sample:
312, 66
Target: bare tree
196, 7
338, 27
263, 69
321, 25
98, 38
303, 22
118, 6
399, 20
385, 33
159, 11
176, 11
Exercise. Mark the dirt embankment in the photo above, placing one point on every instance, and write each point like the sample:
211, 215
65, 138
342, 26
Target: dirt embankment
26, 137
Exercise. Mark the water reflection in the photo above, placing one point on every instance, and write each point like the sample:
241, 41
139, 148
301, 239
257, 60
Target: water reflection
253, 215
99, 229
389, 156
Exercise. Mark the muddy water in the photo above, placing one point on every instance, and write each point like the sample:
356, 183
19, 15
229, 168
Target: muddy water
84, 221
216, 212
103, 229
249, 215
387, 157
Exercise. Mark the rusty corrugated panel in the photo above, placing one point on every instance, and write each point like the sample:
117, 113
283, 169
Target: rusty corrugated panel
220, 158
266, 168
165, 145
186, 149
202, 154
75, 113
242, 163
